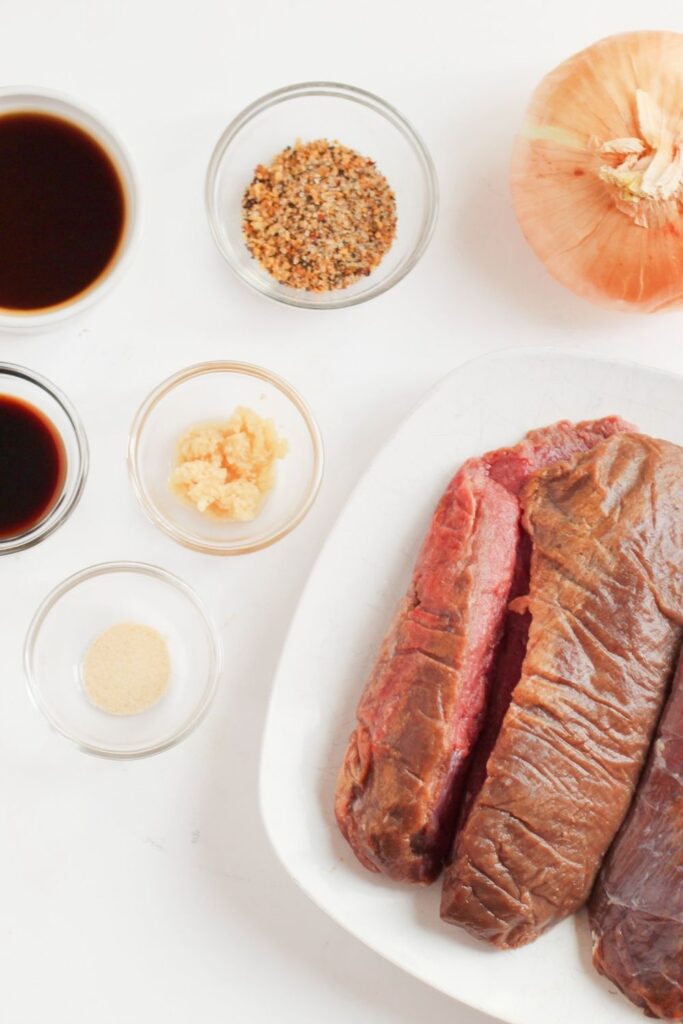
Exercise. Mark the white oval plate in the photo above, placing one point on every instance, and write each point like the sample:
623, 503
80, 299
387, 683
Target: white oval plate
344, 611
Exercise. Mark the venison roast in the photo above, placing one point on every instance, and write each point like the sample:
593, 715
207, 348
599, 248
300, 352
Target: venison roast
606, 607
636, 908
401, 780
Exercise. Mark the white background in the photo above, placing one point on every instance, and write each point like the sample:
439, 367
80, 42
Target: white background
147, 892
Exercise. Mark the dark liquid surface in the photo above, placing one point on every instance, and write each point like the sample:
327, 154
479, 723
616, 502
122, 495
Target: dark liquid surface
32, 466
62, 211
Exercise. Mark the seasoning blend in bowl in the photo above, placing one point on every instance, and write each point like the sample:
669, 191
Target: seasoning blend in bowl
43, 458
122, 659
319, 217
321, 195
226, 458
67, 208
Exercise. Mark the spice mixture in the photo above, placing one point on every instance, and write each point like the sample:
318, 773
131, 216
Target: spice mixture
226, 469
126, 669
319, 217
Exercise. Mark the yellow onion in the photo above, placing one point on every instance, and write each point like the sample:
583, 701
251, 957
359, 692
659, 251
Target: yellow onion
597, 172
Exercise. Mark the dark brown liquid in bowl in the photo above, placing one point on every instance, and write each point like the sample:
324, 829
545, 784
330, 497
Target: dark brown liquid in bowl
32, 466
62, 211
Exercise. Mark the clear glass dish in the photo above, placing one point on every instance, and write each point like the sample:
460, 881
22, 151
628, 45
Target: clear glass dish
210, 392
314, 110
81, 608
46, 101
28, 386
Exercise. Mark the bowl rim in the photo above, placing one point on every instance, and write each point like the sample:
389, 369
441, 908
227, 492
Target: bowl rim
104, 569
66, 503
38, 99
356, 95
178, 379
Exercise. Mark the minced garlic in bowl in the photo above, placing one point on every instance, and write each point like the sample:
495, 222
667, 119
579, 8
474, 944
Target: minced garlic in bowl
225, 470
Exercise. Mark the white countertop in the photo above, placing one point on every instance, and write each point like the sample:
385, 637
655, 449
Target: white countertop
147, 892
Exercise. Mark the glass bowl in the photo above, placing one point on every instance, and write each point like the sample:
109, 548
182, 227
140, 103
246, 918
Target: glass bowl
314, 110
81, 608
210, 392
46, 101
30, 387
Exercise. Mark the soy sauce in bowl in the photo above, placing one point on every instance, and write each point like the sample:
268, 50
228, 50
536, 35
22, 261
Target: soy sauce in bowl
32, 466
62, 212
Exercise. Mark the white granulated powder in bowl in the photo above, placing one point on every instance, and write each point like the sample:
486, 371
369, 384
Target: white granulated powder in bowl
126, 669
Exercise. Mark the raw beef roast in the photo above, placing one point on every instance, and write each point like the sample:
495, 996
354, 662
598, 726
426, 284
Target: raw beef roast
401, 780
636, 908
606, 606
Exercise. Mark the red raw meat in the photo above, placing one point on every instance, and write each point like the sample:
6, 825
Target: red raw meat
401, 781
606, 604
636, 909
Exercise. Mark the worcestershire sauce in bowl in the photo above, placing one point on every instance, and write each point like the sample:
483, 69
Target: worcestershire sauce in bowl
62, 211
32, 466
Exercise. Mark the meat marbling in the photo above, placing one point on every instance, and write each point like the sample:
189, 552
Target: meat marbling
636, 908
401, 780
606, 605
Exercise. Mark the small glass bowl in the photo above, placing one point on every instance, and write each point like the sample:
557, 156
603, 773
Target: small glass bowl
30, 387
209, 392
327, 110
46, 101
74, 615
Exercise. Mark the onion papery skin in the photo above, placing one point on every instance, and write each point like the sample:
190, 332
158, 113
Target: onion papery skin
567, 213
